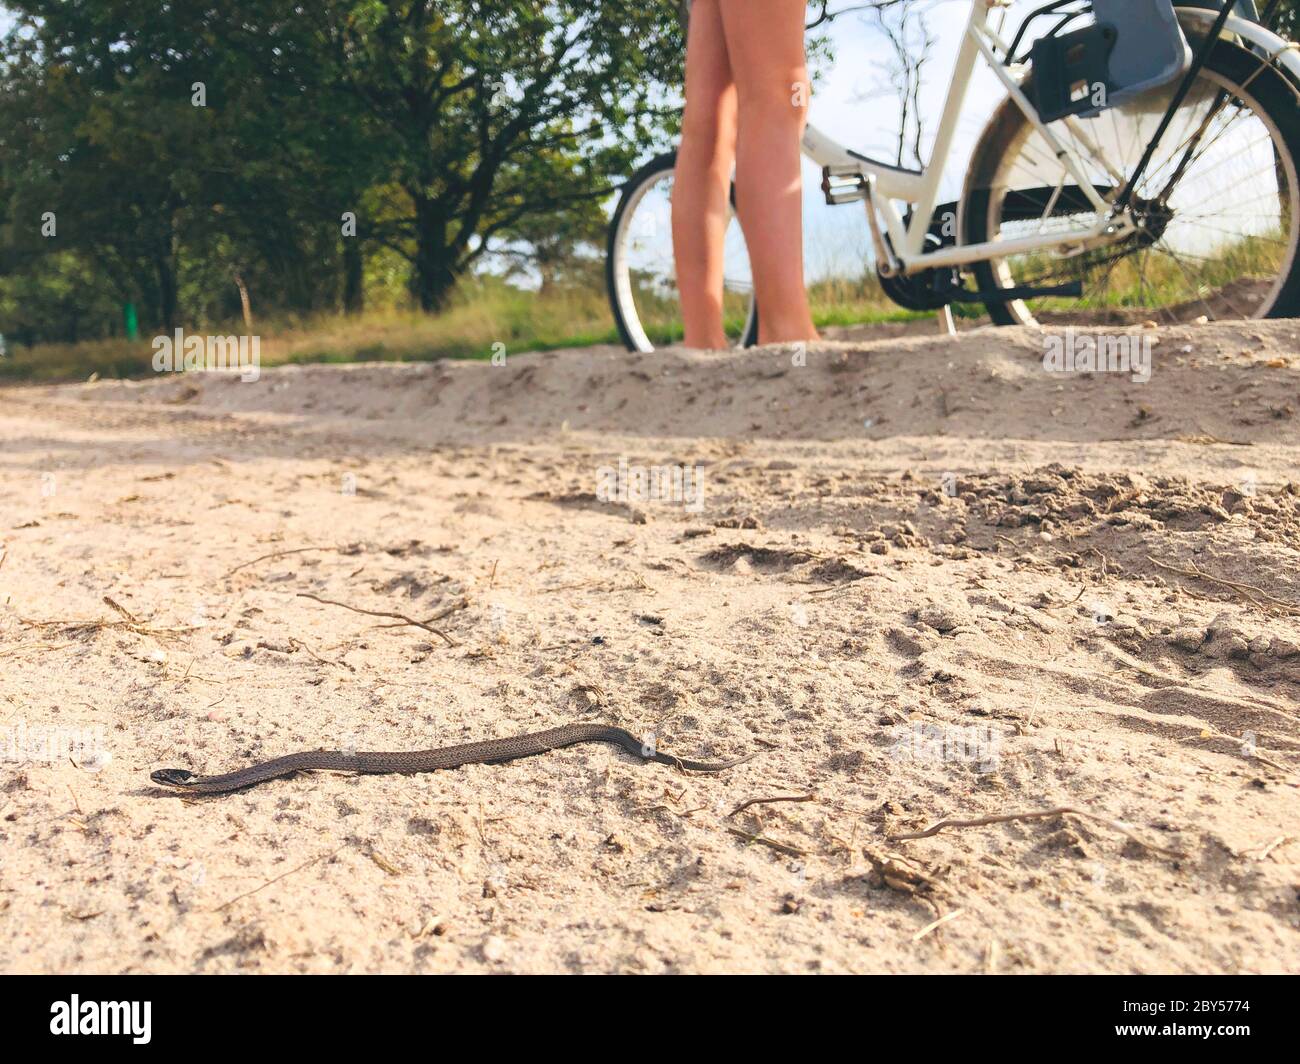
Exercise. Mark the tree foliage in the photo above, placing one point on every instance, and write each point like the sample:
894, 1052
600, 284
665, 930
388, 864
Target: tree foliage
181, 146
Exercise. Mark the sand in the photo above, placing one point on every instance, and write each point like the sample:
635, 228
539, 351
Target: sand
925, 580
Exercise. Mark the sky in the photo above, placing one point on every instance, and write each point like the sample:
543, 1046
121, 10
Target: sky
835, 238
861, 56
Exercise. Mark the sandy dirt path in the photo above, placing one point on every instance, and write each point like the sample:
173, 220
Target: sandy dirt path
925, 578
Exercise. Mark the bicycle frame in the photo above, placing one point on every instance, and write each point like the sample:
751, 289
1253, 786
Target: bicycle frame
882, 186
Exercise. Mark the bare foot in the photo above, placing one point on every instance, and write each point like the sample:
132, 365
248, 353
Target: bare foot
717, 343
802, 335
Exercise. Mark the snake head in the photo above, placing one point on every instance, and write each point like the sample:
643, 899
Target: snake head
173, 777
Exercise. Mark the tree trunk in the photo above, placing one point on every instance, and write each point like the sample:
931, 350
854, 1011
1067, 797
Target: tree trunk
168, 308
354, 296
434, 283
435, 276
547, 268
245, 303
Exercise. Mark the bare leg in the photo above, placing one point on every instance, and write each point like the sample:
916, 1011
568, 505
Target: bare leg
702, 182
765, 42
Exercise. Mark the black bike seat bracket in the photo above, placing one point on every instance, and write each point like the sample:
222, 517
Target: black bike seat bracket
1071, 69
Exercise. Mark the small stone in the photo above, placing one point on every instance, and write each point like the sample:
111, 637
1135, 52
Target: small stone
940, 618
1190, 638
96, 761
847, 761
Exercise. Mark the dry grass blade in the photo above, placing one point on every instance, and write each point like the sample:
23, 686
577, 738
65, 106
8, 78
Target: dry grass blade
937, 924
1041, 814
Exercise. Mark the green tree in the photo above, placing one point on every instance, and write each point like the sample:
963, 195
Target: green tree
181, 147
194, 153
504, 112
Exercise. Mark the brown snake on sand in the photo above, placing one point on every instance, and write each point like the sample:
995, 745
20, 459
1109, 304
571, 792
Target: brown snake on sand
493, 751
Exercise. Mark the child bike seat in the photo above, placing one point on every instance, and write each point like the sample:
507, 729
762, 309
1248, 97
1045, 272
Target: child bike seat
1134, 46
1150, 50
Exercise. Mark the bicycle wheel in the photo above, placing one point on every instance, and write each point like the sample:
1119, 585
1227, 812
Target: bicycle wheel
642, 278
1218, 207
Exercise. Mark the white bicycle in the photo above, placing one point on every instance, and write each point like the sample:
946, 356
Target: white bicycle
1143, 166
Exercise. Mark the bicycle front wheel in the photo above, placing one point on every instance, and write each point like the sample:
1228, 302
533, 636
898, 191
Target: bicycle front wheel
642, 278
1217, 210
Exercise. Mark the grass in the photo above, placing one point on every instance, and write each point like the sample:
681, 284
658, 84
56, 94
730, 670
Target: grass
64, 362
483, 314
487, 315
480, 316
1140, 283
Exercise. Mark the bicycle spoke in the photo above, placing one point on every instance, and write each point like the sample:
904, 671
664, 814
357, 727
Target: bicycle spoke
1196, 288
1210, 217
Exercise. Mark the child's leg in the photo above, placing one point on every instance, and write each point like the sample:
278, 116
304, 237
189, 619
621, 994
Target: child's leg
702, 184
765, 42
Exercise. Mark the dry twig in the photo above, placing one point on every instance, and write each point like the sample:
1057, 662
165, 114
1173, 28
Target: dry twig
381, 613
780, 847
276, 879
1248, 591
765, 801
279, 554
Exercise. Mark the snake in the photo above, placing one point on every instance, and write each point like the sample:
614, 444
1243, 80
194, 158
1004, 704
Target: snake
489, 752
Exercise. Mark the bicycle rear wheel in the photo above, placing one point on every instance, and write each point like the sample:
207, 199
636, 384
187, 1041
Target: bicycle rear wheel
640, 274
1219, 206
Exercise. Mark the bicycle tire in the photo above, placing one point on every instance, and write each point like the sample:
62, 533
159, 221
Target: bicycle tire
617, 281
1270, 94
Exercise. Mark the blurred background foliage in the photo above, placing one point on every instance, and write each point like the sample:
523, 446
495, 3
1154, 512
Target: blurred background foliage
347, 178
202, 161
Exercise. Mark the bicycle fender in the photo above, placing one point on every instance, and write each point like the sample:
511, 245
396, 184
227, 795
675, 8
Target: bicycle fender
1281, 52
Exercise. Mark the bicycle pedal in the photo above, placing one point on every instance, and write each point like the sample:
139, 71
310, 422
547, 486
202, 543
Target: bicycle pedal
842, 186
